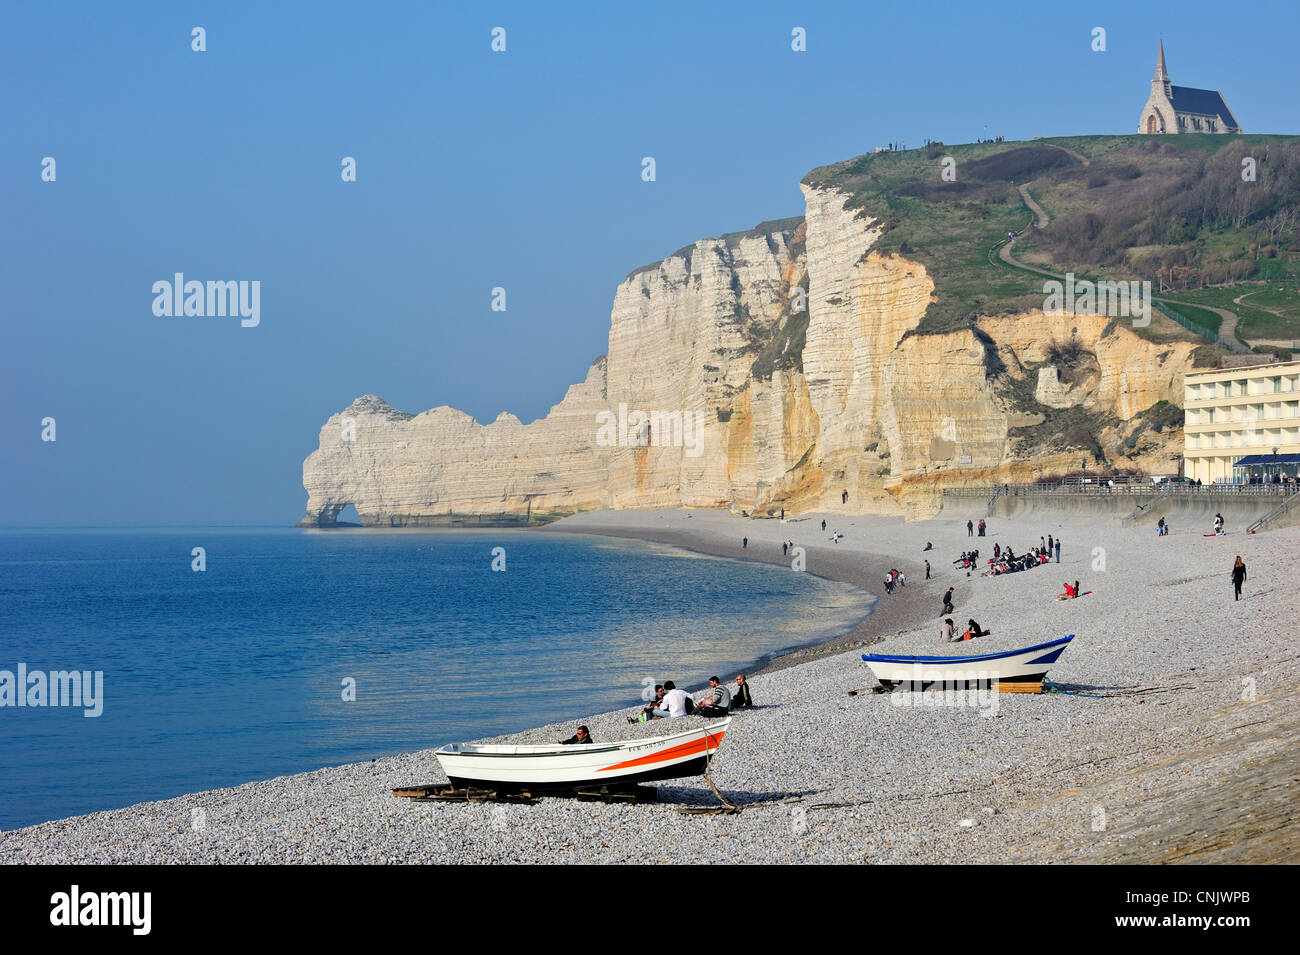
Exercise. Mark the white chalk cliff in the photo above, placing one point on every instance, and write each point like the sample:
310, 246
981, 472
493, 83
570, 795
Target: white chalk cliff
798, 403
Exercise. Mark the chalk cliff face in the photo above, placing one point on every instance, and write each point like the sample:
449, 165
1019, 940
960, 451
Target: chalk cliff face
775, 369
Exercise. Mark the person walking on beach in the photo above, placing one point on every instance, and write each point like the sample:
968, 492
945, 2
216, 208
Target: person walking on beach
744, 543
927, 570
947, 601
785, 548
1049, 543
970, 528
982, 527
823, 523
1238, 577
1058, 550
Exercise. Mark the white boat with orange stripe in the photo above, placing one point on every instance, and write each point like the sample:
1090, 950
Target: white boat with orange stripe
582, 764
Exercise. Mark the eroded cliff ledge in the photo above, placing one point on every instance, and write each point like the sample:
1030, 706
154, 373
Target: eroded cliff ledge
778, 368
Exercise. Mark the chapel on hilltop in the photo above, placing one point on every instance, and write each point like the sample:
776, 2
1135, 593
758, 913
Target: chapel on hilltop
1182, 109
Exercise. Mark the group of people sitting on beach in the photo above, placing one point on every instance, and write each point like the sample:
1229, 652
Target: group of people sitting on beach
967, 558
718, 700
1006, 561
948, 633
895, 578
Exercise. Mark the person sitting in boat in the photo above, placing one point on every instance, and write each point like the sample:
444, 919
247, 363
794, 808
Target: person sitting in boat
582, 736
674, 702
716, 702
740, 695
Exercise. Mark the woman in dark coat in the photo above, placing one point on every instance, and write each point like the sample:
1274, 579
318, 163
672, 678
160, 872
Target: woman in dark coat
1238, 576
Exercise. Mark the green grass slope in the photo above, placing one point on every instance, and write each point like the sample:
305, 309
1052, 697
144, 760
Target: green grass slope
1172, 209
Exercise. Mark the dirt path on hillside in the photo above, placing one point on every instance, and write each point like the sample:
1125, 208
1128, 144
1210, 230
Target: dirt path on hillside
1276, 342
1227, 330
1034, 207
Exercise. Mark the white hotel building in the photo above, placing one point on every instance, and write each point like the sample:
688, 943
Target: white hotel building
1242, 422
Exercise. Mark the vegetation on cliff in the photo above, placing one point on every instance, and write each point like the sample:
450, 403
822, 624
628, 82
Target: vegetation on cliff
1181, 211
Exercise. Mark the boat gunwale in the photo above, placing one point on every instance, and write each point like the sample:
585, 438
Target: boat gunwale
978, 658
535, 750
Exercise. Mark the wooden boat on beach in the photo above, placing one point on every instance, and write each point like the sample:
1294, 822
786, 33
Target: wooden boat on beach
1028, 666
562, 766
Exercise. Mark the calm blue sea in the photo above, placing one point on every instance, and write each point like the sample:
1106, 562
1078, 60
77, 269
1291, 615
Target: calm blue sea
238, 672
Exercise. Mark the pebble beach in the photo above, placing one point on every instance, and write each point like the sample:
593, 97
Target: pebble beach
1175, 743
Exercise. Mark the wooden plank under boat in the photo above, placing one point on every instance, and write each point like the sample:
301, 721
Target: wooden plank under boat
562, 766
1028, 665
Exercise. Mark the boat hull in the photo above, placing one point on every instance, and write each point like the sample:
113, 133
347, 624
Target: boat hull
1028, 665
625, 763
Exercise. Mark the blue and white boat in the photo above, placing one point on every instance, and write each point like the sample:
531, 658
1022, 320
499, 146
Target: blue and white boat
1011, 666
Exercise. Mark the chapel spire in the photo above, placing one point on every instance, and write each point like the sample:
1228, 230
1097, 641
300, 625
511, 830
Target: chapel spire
1162, 73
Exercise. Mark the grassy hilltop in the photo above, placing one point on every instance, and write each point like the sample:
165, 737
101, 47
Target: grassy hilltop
1171, 209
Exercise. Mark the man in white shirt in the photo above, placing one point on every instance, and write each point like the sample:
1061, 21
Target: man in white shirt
674, 702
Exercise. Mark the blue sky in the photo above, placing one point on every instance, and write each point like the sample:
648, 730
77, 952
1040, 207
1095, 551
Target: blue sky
475, 170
